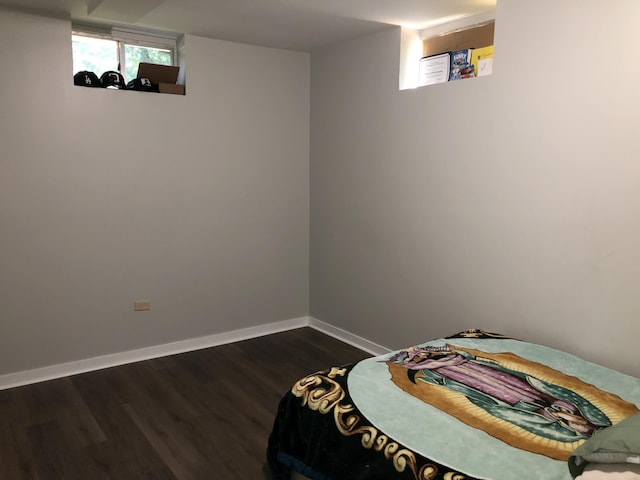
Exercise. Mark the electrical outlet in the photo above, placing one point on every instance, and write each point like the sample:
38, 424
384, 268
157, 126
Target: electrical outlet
142, 305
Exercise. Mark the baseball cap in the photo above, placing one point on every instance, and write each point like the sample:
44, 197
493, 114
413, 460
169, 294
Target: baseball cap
142, 84
112, 78
85, 78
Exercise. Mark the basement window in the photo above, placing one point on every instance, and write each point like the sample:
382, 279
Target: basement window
461, 54
99, 50
454, 50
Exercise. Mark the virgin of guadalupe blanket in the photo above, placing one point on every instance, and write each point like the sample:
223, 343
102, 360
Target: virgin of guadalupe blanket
473, 406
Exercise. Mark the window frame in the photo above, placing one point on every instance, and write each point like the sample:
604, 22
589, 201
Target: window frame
124, 37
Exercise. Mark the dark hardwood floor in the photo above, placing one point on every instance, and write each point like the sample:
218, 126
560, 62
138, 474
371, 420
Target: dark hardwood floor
199, 415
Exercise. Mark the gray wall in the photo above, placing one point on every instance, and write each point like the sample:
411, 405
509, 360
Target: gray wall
509, 203
199, 203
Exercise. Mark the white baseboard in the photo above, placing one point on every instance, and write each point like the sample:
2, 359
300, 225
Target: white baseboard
112, 360
347, 337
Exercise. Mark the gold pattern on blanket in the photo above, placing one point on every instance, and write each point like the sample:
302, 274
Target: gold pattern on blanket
477, 333
520, 402
454, 476
320, 392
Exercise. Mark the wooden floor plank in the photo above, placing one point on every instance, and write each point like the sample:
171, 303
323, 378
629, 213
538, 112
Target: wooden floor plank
126, 454
198, 415
15, 452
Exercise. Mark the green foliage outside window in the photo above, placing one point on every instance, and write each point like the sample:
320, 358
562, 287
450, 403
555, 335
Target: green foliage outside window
135, 54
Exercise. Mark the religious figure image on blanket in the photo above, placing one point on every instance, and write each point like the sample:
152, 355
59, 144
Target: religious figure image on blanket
523, 403
474, 405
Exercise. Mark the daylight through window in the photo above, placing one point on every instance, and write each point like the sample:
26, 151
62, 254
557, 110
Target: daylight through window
120, 51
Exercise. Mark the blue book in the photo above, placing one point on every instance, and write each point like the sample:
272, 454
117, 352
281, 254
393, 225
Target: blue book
461, 66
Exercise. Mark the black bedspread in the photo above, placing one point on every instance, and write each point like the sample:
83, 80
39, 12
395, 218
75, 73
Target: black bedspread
320, 433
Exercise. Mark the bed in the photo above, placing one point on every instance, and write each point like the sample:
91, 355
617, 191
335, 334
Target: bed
471, 406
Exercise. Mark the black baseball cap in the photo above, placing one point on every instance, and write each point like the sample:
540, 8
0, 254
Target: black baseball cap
85, 78
143, 84
112, 78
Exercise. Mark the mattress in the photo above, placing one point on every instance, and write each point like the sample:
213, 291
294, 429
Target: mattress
474, 405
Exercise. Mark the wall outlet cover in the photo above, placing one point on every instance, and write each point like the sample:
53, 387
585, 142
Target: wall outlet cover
142, 305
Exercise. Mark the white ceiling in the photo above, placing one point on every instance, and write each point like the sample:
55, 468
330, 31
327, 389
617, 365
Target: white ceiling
290, 24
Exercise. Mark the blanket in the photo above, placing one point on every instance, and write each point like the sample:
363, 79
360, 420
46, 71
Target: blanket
471, 406
610, 471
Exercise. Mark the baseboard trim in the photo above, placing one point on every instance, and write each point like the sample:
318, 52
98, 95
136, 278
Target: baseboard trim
52, 372
113, 360
348, 337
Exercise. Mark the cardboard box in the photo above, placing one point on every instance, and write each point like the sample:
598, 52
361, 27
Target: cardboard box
163, 75
172, 88
476, 37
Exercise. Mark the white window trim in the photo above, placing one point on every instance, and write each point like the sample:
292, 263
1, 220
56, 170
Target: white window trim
463, 23
166, 41
154, 40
